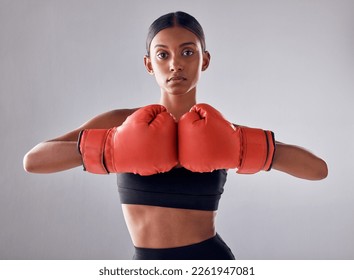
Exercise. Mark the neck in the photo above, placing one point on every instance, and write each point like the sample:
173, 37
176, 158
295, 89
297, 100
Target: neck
178, 105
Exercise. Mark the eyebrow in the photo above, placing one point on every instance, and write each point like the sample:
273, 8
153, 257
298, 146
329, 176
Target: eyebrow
181, 45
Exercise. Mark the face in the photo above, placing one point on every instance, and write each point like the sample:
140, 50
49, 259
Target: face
176, 60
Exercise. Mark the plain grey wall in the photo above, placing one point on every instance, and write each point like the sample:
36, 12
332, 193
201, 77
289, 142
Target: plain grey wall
287, 66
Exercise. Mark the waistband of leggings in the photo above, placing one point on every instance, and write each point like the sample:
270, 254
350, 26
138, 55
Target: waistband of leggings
186, 247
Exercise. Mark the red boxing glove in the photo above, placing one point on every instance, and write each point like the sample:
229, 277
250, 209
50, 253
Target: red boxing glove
207, 142
145, 144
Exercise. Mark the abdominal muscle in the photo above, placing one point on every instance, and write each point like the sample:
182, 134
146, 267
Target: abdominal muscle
163, 227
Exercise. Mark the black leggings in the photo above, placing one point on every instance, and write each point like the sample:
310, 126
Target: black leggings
211, 249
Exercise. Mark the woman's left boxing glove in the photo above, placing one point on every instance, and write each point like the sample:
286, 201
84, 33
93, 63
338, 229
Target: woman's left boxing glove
207, 142
145, 144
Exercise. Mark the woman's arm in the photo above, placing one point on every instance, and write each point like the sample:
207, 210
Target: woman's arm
52, 156
61, 153
298, 162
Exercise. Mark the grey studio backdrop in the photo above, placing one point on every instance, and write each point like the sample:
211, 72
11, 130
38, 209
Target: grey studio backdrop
280, 65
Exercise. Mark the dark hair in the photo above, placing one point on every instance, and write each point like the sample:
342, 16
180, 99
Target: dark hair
180, 19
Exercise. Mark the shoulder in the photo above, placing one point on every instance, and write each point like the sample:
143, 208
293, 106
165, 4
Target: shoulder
105, 120
109, 119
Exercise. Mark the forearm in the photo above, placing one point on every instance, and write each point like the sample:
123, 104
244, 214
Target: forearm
52, 156
298, 162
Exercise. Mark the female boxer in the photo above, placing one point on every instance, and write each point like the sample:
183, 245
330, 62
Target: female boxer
172, 158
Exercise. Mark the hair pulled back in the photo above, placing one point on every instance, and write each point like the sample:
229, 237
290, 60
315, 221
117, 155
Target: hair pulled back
180, 19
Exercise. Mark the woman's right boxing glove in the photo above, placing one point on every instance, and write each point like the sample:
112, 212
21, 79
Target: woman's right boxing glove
145, 144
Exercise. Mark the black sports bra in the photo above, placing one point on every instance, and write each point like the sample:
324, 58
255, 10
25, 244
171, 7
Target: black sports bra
178, 188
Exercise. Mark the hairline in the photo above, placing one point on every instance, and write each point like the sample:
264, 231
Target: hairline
176, 23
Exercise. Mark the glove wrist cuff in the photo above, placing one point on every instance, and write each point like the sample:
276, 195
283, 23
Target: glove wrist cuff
91, 145
258, 147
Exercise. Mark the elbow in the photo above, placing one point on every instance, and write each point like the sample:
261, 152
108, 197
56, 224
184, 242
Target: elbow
321, 171
324, 172
27, 166
29, 163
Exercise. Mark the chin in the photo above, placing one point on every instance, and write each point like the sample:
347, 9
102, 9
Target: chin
179, 91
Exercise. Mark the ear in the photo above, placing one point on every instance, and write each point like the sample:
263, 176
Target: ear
206, 60
148, 65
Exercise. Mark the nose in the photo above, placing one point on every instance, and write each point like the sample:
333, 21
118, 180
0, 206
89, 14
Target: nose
176, 65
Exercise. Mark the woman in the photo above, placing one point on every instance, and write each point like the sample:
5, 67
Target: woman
171, 212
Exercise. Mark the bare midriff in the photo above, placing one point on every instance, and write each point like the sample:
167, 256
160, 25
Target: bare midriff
162, 227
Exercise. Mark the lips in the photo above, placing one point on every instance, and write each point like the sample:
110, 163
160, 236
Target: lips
176, 78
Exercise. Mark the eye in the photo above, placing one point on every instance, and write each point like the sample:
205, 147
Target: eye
188, 52
162, 55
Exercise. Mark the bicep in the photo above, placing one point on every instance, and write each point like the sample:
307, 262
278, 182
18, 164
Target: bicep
299, 162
